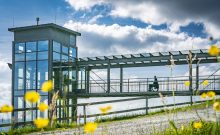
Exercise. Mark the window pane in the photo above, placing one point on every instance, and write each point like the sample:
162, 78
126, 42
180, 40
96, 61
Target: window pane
31, 75
56, 47
56, 56
72, 52
19, 57
19, 75
72, 40
19, 102
42, 55
31, 46
31, 56
56, 78
65, 49
64, 58
42, 72
19, 48
43, 45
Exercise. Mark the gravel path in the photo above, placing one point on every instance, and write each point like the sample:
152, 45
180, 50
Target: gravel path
138, 126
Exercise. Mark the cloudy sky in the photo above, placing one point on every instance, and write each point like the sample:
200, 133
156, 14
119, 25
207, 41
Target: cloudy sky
116, 27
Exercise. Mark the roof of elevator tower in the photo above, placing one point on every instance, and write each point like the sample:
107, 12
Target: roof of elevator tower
49, 25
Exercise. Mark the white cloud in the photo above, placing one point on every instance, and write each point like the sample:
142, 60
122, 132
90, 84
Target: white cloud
5, 82
84, 4
174, 13
115, 39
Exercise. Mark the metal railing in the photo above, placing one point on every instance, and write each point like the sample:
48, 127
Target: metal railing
142, 84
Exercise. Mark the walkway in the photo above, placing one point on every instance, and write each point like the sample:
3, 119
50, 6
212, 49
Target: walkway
138, 126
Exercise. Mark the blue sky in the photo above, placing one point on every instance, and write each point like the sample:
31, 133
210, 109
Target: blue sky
116, 27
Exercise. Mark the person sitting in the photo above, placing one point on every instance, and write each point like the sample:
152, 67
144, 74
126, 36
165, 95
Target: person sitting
155, 85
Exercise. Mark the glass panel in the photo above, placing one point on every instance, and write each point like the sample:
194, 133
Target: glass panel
31, 75
31, 46
19, 75
72, 52
21, 115
65, 50
18, 102
45, 113
30, 115
56, 56
56, 47
19, 57
43, 45
31, 56
65, 80
64, 58
72, 40
56, 78
19, 48
42, 73
42, 55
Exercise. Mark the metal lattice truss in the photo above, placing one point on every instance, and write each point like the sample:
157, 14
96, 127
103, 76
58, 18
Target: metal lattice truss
146, 59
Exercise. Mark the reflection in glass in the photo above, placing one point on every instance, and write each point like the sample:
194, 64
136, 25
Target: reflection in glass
31, 56
31, 75
56, 47
43, 45
56, 56
19, 75
73, 52
72, 40
64, 58
42, 55
65, 50
19, 47
19, 57
31, 46
42, 73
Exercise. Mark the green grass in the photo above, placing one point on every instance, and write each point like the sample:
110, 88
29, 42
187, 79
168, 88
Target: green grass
208, 128
58, 126
159, 112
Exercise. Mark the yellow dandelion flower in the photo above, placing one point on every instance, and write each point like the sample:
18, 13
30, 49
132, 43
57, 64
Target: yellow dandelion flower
105, 110
90, 127
211, 94
6, 108
205, 83
187, 83
216, 106
203, 95
43, 107
213, 50
41, 123
197, 125
47, 86
32, 96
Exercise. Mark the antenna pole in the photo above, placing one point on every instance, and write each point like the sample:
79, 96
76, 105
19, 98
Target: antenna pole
37, 19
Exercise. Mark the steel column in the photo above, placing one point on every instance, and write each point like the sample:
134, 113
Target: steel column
121, 79
197, 76
108, 77
87, 80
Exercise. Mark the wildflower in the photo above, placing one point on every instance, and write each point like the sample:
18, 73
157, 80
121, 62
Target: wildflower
6, 108
211, 94
32, 96
216, 106
214, 50
203, 95
205, 83
43, 107
90, 127
104, 110
41, 123
197, 125
187, 83
47, 86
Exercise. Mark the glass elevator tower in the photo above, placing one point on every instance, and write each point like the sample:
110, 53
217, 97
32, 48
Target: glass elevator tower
39, 53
